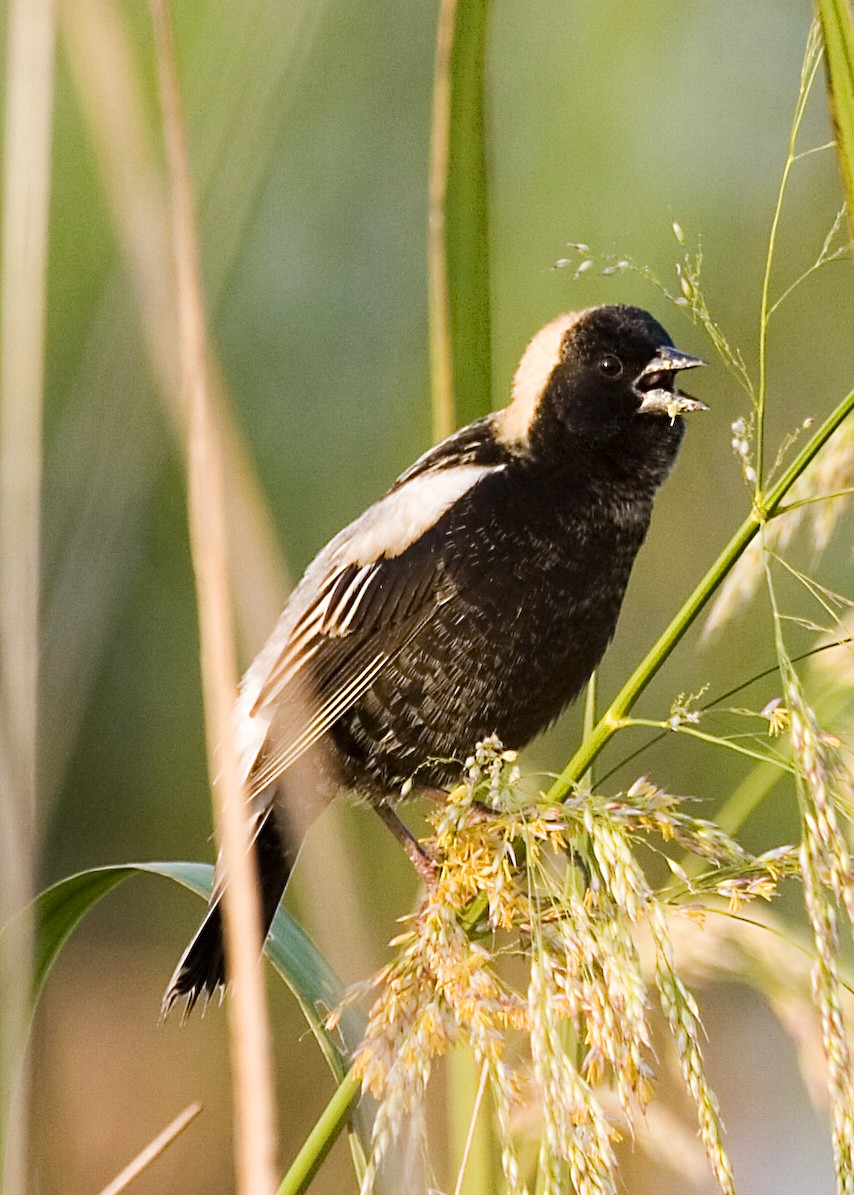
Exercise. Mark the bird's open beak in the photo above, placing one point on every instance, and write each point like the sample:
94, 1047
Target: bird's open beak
656, 384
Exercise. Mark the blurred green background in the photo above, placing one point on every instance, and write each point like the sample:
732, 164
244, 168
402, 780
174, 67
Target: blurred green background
309, 131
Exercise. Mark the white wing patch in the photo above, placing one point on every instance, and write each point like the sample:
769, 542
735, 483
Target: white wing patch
391, 525
326, 605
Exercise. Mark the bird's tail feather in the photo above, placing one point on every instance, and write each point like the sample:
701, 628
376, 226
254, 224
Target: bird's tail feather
201, 969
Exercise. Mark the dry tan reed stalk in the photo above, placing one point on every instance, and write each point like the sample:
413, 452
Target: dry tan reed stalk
152, 1151
111, 94
254, 1105
110, 89
26, 202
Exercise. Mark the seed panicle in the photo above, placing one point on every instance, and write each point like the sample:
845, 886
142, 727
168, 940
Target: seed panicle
828, 884
563, 890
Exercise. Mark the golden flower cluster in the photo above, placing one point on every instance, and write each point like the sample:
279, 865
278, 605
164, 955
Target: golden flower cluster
556, 895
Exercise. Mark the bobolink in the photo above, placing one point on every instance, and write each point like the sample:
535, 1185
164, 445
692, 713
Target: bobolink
475, 598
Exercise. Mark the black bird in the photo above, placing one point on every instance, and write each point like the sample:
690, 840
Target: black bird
475, 598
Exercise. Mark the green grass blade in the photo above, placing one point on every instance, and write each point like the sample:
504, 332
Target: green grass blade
837, 30
59, 909
316, 987
459, 221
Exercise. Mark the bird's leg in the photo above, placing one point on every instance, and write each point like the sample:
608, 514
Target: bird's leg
416, 854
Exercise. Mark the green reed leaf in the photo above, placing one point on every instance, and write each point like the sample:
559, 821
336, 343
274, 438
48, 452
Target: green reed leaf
837, 30
460, 355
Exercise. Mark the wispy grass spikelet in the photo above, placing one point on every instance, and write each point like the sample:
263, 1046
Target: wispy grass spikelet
576, 1135
828, 888
680, 1011
832, 485
628, 885
690, 296
818, 502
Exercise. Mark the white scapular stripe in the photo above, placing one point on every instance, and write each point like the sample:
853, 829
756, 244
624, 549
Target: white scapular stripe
391, 525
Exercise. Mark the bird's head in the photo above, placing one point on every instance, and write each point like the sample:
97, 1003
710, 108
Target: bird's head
599, 374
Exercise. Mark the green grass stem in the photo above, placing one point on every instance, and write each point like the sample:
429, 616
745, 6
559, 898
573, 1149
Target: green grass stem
322, 1137
613, 718
812, 58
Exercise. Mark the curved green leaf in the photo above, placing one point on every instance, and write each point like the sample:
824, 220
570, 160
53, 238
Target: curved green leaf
59, 909
316, 987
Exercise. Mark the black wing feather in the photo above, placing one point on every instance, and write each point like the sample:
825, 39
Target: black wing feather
351, 617
326, 669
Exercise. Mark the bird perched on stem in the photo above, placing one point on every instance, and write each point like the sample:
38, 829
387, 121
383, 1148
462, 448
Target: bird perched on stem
475, 598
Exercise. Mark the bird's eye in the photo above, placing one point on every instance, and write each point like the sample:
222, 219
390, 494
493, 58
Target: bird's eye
610, 366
